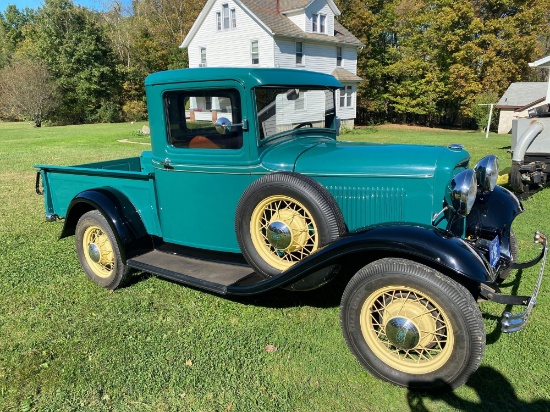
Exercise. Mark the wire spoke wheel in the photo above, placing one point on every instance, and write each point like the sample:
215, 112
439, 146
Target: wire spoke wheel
98, 251
409, 324
282, 219
407, 329
283, 231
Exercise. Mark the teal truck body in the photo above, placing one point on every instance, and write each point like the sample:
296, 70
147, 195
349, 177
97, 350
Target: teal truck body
247, 188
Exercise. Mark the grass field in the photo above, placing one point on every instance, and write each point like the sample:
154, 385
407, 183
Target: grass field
67, 345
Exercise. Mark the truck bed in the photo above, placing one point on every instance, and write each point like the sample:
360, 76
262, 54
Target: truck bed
131, 176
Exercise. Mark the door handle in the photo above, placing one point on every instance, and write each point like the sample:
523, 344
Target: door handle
166, 164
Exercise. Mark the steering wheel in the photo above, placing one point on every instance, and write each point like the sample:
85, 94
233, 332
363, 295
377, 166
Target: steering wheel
304, 124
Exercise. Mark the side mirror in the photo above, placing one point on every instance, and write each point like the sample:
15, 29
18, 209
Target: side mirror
223, 125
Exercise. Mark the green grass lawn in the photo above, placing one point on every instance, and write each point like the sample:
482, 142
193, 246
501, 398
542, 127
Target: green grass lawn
66, 344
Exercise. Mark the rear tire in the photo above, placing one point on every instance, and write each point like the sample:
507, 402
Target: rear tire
99, 251
410, 325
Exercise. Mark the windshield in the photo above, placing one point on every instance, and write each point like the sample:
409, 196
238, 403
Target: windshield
282, 108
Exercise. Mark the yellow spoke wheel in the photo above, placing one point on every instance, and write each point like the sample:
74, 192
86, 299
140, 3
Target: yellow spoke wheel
98, 251
407, 329
283, 231
410, 325
283, 218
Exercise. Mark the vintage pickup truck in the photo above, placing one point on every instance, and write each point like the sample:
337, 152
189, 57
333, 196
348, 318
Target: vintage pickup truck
247, 189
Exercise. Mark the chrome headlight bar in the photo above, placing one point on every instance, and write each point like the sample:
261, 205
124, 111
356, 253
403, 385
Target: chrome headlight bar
487, 173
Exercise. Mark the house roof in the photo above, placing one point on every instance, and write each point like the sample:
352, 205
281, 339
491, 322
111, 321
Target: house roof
292, 5
344, 75
522, 95
265, 11
544, 62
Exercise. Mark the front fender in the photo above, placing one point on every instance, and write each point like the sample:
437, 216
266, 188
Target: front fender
425, 244
493, 215
121, 214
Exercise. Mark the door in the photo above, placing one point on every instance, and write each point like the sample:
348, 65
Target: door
204, 172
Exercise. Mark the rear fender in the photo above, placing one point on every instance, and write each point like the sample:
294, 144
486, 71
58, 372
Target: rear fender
121, 214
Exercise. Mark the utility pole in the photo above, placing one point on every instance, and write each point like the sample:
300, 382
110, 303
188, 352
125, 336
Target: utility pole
490, 116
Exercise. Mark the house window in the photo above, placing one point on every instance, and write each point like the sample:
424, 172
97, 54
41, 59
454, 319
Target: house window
225, 13
339, 56
218, 20
208, 102
314, 18
233, 19
254, 52
203, 57
299, 53
318, 23
300, 102
346, 94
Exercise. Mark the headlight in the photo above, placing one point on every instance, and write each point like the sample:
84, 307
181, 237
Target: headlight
487, 173
462, 191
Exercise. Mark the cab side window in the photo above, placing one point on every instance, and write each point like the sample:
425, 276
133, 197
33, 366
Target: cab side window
191, 118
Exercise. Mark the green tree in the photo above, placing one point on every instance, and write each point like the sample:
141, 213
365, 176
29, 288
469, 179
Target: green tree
12, 31
73, 45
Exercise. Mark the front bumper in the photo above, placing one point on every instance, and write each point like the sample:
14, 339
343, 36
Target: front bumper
515, 323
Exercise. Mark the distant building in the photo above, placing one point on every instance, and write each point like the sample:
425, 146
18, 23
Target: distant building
520, 97
300, 34
517, 100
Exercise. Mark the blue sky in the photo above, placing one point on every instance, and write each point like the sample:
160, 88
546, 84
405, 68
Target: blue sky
34, 4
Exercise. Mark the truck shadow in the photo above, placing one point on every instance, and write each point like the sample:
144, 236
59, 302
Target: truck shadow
493, 390
327, 296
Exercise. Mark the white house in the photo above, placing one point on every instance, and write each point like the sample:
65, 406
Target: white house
301, 34
516, 102
521, 97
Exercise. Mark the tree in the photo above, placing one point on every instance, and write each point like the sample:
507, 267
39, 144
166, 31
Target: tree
72, 43
27, 91
12, 26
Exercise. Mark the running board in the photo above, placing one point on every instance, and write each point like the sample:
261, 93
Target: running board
215, 276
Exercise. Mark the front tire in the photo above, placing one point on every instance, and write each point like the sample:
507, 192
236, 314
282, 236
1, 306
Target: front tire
98, 251
412, 326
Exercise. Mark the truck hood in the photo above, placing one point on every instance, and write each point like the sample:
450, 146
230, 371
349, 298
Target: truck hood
336, 158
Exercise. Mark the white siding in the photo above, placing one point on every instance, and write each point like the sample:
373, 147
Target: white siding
298, 18
319, 57
285, 53
347, 112
349, 55
320, 7
230, 47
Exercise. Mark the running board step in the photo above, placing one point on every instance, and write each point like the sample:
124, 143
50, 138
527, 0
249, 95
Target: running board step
205, 274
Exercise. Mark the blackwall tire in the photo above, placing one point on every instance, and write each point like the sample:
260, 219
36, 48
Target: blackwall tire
98, 251
410, 325
284, 217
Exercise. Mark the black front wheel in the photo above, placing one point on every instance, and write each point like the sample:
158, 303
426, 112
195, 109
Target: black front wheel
410, 325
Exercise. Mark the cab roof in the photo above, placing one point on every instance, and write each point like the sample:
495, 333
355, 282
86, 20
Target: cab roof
248, 77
